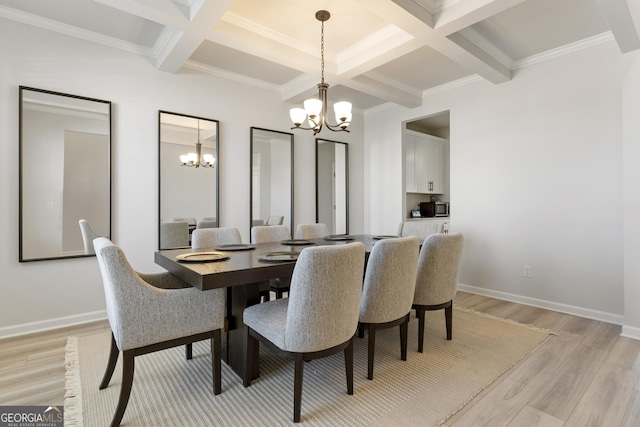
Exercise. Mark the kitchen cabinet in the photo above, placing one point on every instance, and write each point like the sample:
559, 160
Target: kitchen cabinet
424, 163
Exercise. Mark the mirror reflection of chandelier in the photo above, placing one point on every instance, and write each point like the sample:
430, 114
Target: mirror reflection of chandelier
197, 159
315, 110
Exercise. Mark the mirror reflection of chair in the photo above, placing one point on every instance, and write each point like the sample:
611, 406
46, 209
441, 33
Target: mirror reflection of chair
388, 291
151, 312
88, 236
437, 279
189, 219
174, 234
267, 234
206, 224
318, 319
275, 220
257, 222
311, 231
421, 229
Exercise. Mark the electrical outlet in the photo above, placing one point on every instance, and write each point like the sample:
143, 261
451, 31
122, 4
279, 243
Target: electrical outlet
527, 271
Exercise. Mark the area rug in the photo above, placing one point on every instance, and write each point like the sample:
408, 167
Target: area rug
171, 391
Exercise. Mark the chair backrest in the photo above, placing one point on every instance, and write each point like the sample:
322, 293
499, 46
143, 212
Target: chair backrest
275, 220
208, 218
207, 224
311, 231
174, 234
211, 237
256, 222
87, 237
421, 229
189, 219
269, 233
438, 268
390, 280
324, 297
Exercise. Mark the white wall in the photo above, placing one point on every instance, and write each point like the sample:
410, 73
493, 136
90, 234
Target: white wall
49, 293
536, 179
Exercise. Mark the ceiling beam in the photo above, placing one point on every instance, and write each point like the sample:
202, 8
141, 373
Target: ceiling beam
466, 13
383, 90
164, 12
618, 15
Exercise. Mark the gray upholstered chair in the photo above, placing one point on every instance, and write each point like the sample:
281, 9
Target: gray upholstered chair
267, 234
387, 295
275, 220
212, 237
207, 224
256, 222
437, 278
421, 229
151, 312
87, 237
311, 231
318, 319
188, 219
174, 234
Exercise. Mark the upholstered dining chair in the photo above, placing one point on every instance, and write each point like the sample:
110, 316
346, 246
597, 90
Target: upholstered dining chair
207, 224
87, 237
421, 229
387, 295
275, 220
212, 237
318, 319
151, 312
192, 221
311, 231
174, 234
267, 234
437, 278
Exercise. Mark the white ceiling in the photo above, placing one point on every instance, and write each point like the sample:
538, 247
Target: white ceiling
376, 51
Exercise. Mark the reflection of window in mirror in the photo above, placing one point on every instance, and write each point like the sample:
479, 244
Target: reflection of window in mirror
332, 185
188, 184
65, 146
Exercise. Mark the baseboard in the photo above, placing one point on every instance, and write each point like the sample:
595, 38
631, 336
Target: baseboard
47, 325
630, 332
602, 316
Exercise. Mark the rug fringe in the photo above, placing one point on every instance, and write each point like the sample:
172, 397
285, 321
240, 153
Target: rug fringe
73, 385
513, 322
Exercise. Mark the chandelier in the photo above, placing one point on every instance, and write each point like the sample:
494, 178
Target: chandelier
316, 109
197, 159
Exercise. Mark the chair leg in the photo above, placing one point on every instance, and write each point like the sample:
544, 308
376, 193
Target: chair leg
128, 366
448, 315
420, 312
348, 363
371, 351
404, 333
111, 364
248, 363
188, 351
216, 355
298, 372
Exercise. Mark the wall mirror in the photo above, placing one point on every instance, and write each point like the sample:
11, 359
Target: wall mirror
271, 183
188, 177
65, 172
332, 185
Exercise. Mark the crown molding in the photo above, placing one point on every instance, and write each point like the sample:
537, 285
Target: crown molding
229, 75
389, 32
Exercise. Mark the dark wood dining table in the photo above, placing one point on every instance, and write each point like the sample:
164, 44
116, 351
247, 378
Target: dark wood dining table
241, 275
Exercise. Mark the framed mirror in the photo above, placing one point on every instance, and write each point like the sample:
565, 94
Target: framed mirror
65, 173
332, 185
271, 183
188, 177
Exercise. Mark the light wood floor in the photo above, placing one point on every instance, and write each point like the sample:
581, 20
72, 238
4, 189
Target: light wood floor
587, 375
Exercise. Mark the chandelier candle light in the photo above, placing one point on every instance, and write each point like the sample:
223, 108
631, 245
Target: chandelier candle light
316, 109
197, 159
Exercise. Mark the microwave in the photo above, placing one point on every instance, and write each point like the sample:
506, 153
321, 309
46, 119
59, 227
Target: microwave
434, 209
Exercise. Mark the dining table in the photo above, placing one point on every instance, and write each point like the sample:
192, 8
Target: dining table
240, 269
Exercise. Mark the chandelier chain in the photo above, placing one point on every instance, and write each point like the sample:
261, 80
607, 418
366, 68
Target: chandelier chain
322, 49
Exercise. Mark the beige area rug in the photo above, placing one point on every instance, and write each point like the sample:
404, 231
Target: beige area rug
425, 390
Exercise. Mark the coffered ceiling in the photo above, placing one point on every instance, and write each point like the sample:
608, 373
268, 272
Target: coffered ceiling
376, 51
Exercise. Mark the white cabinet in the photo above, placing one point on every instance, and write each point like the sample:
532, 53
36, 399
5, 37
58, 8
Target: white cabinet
424, 163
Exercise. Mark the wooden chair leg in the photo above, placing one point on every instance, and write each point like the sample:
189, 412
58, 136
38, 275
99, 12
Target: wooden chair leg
248, 363
420, 311
128, 366
360, 332
216, 356
188, 351
348, 363
297, 386
371, 351
404, 334
448, 315
111, 364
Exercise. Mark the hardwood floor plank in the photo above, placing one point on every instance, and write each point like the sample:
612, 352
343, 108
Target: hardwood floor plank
531, 417
603, 335
625, 354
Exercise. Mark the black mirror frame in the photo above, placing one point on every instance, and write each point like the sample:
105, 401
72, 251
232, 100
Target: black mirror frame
346, 151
